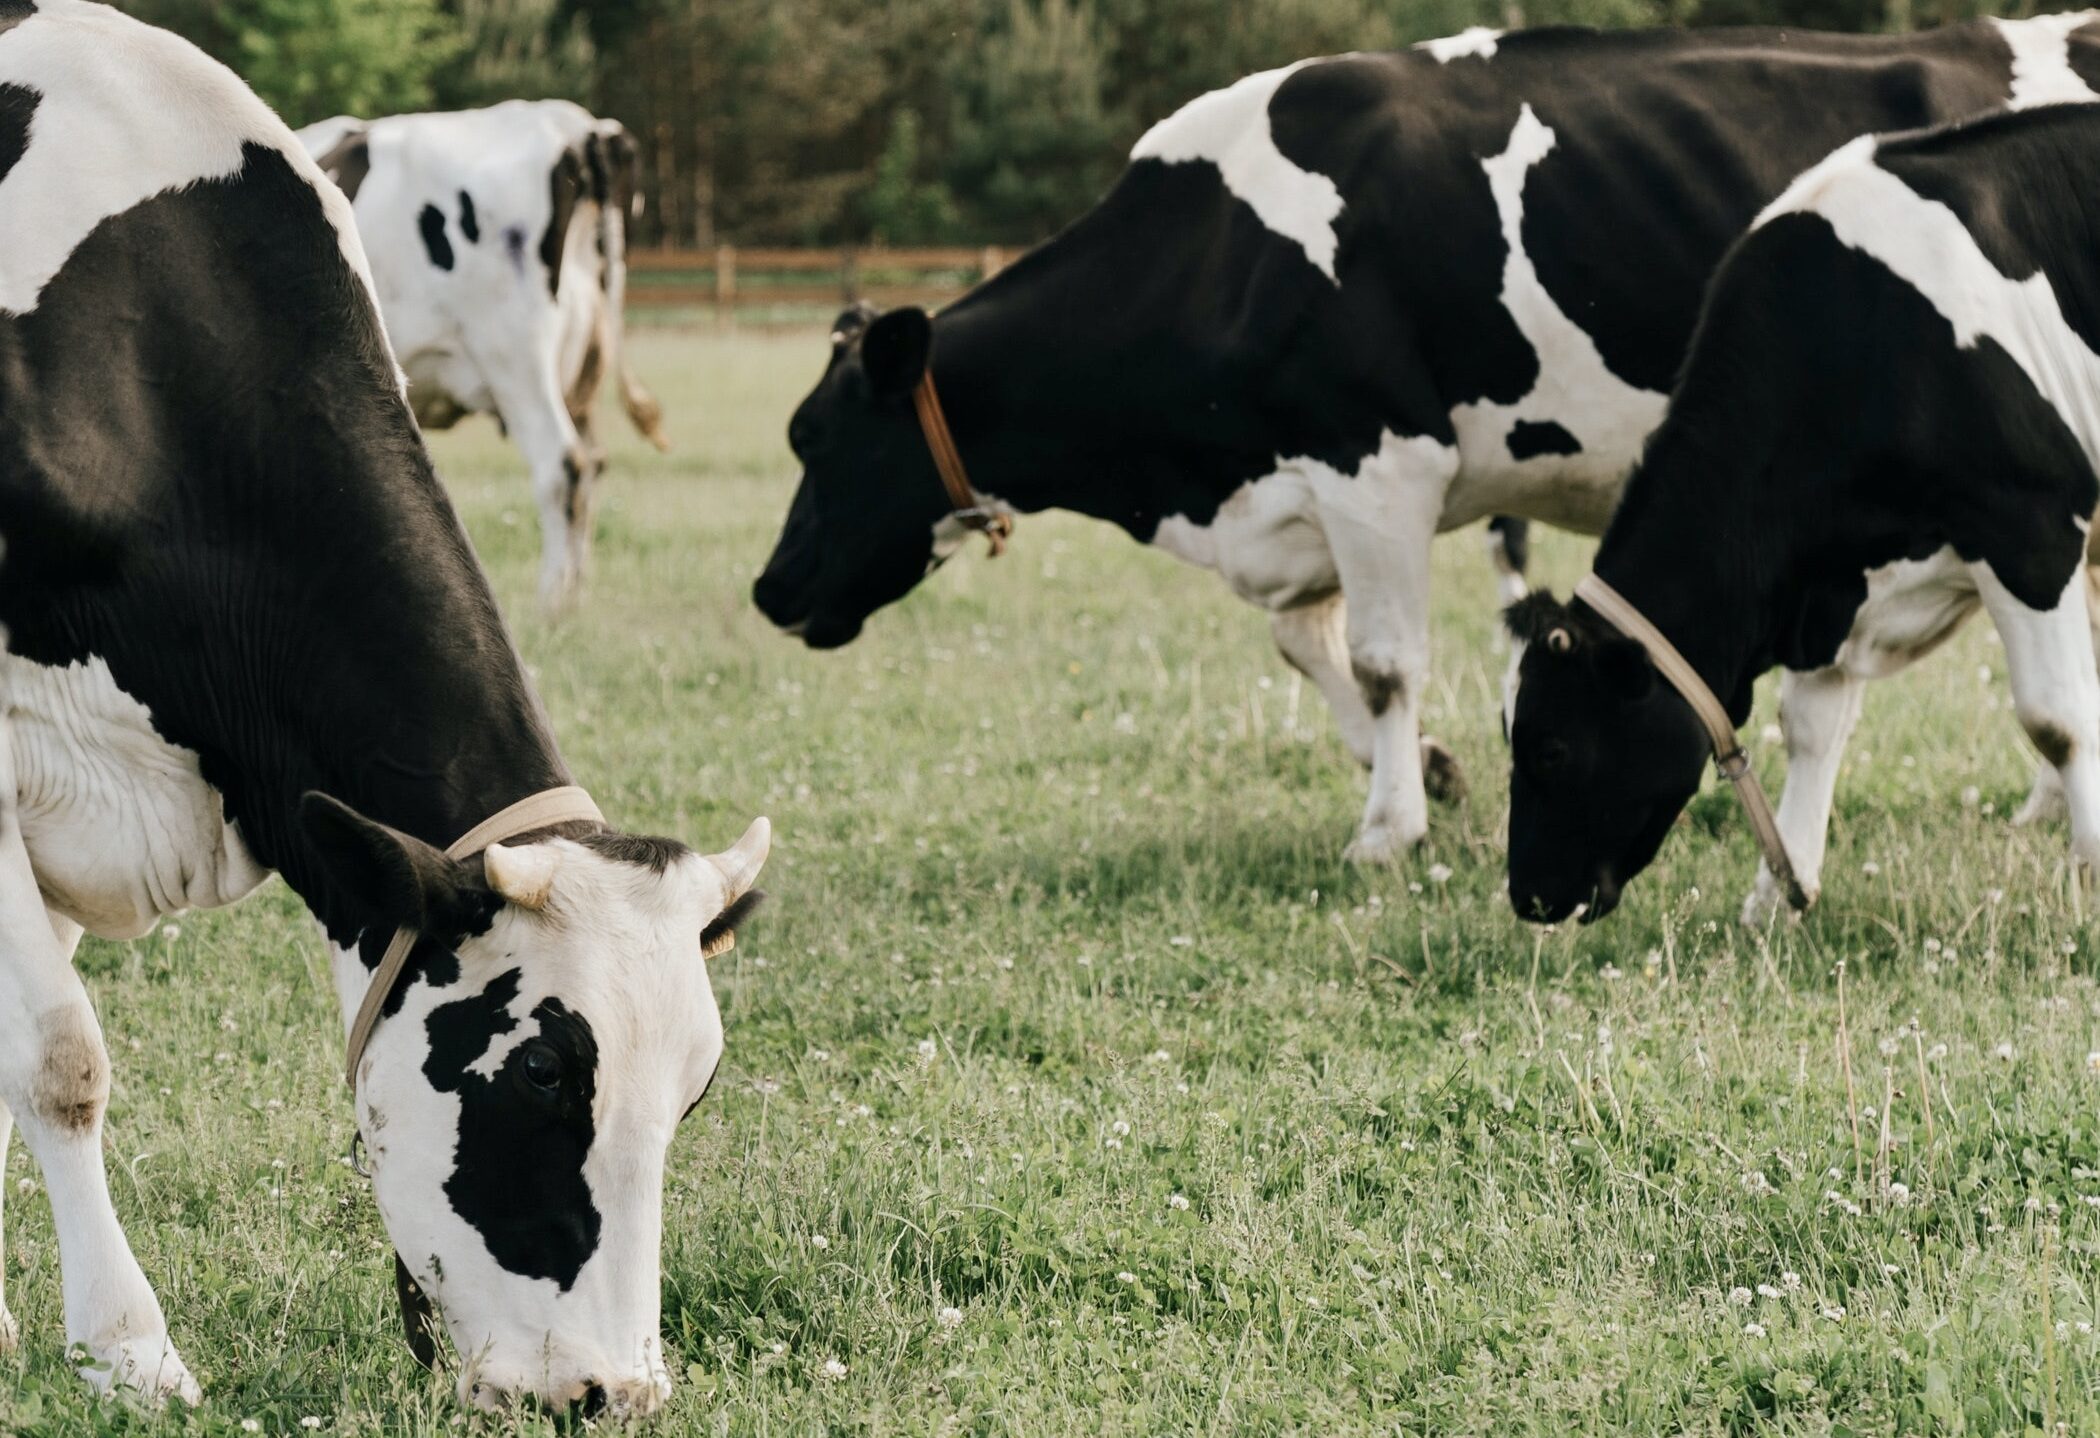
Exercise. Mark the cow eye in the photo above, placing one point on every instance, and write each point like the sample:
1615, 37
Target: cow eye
542, 1065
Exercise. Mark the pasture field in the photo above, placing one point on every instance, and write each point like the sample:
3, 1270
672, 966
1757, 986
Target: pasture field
1074, 1085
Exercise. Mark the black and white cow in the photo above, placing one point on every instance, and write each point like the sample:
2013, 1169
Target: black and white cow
1334, 309
1890, 416
246, 634
498, 242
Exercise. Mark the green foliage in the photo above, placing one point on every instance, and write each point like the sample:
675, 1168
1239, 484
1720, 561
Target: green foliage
315, 58
524, 49
901, 207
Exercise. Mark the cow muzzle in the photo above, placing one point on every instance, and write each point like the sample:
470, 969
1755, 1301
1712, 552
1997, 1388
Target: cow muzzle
616, 1397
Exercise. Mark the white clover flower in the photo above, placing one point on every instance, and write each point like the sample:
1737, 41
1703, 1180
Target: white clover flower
1178, 1202
833, 1369
820, 1242
1753, 1330
1971, 797
1899, 1192
2003, 1051
172, 932
1610, 973
1932, 946
2092, 1061
1790, 1281
1766, 1290
1870, 869
1889, 1047
2033, 1204
1120, 1129
929, 1050
309, 1421
1835, 1312
1936, 1053
1158, 1056
1111, 1142
1439, 873
1183, 941
1756, 1182
1740, 1296
251, 1425
1126, 1276
949, 1317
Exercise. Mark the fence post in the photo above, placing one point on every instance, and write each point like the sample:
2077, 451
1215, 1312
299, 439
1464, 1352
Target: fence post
849, 274
725, 277
990, 262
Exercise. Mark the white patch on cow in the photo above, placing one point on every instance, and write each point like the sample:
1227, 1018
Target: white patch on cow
1608, 417
2041, 59
125, 112
120, 825
1924, 244
1229, 128
1477, 42
1265, 540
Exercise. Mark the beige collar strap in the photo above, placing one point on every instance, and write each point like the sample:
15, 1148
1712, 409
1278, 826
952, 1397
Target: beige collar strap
565, 805
966, 503
1729, 757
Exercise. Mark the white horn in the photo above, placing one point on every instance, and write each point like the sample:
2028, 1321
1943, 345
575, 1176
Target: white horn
523, 875
740, 862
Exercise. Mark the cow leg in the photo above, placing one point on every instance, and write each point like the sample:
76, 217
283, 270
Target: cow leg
2045, 800
1509, 549
1379, 525
1818, 711
54, 1078
1312, 640
2056, 693
10, 1331
534, 410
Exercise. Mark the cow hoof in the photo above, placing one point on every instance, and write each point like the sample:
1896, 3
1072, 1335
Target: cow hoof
2044, 806
1442, 779
148, 1367
1766, 901
1377, 846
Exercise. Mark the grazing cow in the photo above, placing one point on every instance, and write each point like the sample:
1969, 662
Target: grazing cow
1334, 309
1890, 416
498, 242
246, 634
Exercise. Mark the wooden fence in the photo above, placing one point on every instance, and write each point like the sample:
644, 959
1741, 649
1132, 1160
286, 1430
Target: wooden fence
731, 279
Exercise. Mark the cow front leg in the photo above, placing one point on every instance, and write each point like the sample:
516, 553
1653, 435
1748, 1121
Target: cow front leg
1818, 710
528, 396
54, 1078
2056, 694
1379, 524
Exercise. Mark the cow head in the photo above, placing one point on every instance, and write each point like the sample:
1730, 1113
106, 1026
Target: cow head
1605, 755
870, 519
519, 1096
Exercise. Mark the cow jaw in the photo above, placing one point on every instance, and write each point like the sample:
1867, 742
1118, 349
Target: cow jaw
518, 1105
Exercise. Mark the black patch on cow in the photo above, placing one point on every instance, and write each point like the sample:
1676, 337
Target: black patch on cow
14, 12
1529, 438
348, 163
2052, 742
1380, 688
517, 1175
565, 188
17, 109
469, 226
654, 854
2084, 57
431, 225
1167, 346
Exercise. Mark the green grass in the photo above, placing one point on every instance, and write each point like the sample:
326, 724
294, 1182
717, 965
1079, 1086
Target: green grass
1061, 939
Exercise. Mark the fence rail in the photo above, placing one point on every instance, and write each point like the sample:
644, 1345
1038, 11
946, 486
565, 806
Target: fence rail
728, 278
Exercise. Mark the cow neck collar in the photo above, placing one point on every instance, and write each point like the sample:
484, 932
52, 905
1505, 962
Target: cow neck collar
1729, 757
965, 505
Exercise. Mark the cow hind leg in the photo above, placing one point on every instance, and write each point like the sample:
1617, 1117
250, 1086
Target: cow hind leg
1818, 711
1379, 524
2056, 694
1311, 640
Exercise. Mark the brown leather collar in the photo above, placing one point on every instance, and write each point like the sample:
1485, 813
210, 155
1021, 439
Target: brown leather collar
1729, 757
965, 504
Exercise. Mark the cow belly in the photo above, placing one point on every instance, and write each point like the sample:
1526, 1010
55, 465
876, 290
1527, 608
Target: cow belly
120, 825
1264, 540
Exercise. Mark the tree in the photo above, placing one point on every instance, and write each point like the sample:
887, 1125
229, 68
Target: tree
522, 49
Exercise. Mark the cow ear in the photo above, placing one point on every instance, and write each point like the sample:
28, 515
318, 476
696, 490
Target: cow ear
394, 877
719, 937
1534, 617
1625, 670
894, 350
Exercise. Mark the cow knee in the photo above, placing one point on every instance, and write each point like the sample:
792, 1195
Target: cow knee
1387, 674
70, 1088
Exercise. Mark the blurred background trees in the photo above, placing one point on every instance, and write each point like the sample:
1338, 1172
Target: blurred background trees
889, 121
